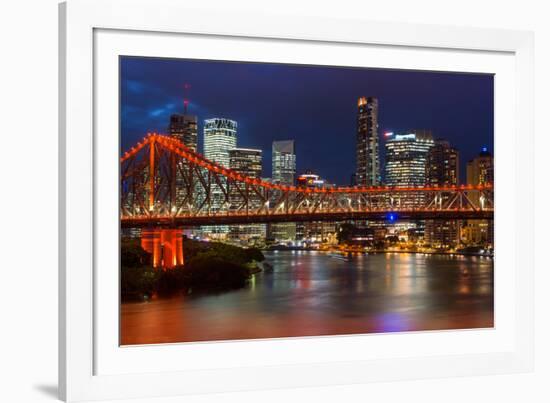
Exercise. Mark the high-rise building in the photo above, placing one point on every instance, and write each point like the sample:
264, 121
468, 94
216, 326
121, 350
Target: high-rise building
442, 165
184, 128
314, 231
406, 157
442, 170
367, 150
247, 162
283, 168
283, 171
220, 136
479, 171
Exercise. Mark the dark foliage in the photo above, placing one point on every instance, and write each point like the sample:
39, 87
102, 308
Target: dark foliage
345, 232
254, 254
230, 253
132, 254
209, 266
392, 239
211, 271
137, 282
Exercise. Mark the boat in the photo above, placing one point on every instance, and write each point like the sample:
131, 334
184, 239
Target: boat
346, 256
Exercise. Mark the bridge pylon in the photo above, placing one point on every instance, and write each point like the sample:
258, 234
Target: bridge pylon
165, 246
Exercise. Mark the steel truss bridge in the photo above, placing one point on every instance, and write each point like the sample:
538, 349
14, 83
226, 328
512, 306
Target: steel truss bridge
165, 184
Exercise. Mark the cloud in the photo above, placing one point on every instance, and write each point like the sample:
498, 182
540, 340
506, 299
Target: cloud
162, 111
135, 87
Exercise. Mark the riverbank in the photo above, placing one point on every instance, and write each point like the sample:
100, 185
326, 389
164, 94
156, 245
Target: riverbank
379, 251
431, 253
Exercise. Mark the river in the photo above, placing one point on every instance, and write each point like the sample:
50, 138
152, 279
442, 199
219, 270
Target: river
310, 293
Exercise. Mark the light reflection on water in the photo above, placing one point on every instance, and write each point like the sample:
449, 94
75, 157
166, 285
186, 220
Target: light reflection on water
310, 293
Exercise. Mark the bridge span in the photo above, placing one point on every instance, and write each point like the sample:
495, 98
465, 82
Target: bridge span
166, 186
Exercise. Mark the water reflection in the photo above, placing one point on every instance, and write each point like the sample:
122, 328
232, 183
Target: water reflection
310, 293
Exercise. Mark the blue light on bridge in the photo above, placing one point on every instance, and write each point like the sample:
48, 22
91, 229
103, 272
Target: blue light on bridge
391, 217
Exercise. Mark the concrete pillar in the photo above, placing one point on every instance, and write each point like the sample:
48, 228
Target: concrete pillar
165, 245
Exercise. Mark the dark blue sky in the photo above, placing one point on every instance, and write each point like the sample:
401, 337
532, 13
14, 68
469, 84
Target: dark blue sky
314, 105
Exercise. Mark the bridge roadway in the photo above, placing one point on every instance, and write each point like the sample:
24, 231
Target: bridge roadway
165, 221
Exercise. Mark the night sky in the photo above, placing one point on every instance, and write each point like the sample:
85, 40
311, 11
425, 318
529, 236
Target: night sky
314, 105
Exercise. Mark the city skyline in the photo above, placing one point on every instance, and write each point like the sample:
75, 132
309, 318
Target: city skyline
310, 154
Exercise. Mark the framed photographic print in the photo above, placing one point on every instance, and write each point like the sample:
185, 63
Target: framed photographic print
254, 201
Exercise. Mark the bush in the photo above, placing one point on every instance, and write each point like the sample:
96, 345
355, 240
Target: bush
132, 254
171, 280
211, 271
137, 282
227, 252
345, 232
208, 266
254, 254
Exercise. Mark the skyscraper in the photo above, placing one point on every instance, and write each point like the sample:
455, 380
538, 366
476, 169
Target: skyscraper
220, 136
367, 150
406, 157
184, 128
442, 169
479, 171
247, 162
442, 165
283, 171
283, 162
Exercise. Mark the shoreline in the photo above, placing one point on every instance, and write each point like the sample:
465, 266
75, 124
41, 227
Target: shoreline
290, 249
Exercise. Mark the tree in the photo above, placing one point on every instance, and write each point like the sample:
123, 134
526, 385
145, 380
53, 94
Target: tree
345, 232
133, 255
208, 270
254, 254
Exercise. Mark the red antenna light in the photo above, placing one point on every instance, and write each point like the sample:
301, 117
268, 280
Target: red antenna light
185, 97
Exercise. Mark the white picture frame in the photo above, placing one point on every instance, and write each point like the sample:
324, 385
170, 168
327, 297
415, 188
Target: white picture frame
84, 321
